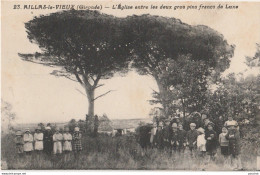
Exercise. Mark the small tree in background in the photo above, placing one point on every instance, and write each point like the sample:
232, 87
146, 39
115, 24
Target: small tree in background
7, 117
42, 126
72, 124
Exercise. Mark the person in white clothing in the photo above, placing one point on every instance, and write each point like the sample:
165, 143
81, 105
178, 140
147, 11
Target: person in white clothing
67, 138
28, 141
38, 139
57, 140
201, 142
153, 132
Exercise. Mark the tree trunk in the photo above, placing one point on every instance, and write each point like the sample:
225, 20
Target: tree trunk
163, 96
90, 95
91, 104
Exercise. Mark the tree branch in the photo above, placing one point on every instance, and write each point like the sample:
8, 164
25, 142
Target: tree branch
155, 91
96, 81
78, 78
103, 94
81, 92
70, 78
100, 85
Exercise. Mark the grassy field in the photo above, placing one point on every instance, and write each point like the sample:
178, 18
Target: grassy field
120, 153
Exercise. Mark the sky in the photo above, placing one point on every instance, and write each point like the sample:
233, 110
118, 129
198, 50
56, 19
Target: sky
37, 96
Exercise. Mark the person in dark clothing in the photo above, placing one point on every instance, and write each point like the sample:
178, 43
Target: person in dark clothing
192, 138
233, 137
219, 125
211, 145
167, 130
144, 136
96, 124
175, 119
119, 132
48, 140
174, 137
181, 139
197, 120
158, 139
186, 123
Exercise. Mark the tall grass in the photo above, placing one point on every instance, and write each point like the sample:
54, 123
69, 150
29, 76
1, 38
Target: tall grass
123, 152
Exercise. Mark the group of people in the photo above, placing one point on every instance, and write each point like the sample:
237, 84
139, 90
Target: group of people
47, 141
203, 139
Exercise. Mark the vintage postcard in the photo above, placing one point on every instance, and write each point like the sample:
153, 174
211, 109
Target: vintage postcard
118, 85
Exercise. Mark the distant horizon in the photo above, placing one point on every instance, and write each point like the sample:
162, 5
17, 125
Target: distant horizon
84, 120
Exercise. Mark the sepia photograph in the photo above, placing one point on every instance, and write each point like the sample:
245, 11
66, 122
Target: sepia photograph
118, 85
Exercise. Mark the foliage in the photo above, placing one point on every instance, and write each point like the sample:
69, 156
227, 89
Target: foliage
237, 98
159, 40
72, 124
7, 117
41, 125
255, 60
185, 82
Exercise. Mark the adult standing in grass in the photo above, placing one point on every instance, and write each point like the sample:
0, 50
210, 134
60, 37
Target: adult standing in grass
153, 132
96, 124
57, 140
19, 142
48, 140
234, 146
181, 138
76, 137
38, 140
174, 137
28, 141
192, 138
67, 137
158, 139
219, 125
211, 145
167, 130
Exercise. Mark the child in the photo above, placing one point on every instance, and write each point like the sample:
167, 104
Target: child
28, 141
230, 122
174, 137
201, 142
67, 137
224, 142
19, 142
77, 147
38, 138
57, 139
181, 139
211, 145
192, 138
234, 149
